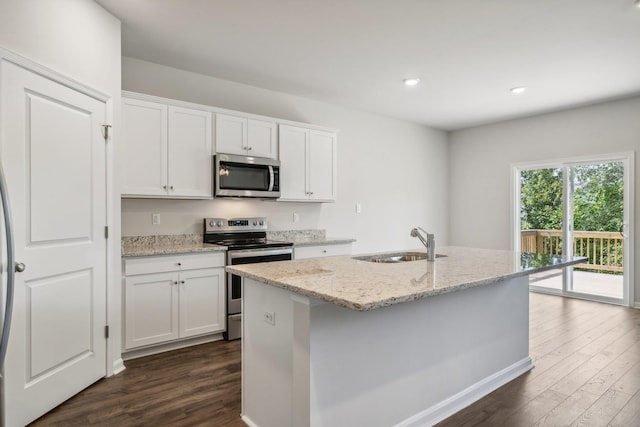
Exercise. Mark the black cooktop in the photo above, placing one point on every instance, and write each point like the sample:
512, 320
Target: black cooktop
240, 241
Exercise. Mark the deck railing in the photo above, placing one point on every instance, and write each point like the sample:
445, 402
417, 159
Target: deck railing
603, 249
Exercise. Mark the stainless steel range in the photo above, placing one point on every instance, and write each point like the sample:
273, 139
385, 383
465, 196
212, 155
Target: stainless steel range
247, 241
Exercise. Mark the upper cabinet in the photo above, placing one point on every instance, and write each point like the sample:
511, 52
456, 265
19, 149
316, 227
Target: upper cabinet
308, 164
249, 137
166, 151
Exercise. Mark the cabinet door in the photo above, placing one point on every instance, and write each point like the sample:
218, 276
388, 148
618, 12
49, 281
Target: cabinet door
144, 148
201, 301
151, 309
322, 165
293, 159
261, 139
231, 134
190, 151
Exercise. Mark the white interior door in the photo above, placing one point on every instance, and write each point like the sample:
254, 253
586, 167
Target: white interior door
53, 154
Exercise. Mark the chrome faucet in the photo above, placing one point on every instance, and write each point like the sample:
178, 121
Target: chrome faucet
429, 242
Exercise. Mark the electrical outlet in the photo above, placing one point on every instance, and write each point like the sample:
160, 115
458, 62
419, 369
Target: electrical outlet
269, 317
155, 219
358, 208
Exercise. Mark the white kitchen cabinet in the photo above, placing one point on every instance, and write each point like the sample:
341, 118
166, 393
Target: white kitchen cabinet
319, 251
173, 297
308, 164
248, 137
166, 151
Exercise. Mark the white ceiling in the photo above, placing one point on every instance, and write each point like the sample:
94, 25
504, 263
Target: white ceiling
355, 53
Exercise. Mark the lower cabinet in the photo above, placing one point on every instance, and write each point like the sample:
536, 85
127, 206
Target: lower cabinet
173, 297
318, 251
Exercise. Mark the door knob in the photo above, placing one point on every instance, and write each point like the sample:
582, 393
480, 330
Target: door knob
20, 267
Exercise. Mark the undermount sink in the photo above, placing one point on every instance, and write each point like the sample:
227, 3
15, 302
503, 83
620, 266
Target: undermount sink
397, 257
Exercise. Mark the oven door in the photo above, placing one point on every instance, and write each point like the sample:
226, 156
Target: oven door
250, 256
242, 176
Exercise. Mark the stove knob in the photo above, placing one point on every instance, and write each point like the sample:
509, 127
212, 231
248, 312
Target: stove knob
212, 223
219, 223
255, 222
261, 222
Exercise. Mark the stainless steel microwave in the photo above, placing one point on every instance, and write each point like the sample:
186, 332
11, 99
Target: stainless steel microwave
245, 176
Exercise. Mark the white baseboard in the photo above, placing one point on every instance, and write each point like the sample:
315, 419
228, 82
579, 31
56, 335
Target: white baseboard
173, 345
248, 421
637, 305
466, 397
118, 366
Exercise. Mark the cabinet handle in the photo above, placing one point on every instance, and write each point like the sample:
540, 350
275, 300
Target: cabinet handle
179, 264
182, 282
175, 282
171, 188
324, 251
249, 148
164, 187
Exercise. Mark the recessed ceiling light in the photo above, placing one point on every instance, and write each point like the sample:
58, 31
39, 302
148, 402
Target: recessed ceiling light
637, 3
518, 90
411, 81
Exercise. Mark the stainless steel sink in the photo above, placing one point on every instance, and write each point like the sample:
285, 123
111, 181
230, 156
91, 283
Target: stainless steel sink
396, 257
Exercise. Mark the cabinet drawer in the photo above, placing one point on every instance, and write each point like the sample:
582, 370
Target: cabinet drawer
303, 252
165, 263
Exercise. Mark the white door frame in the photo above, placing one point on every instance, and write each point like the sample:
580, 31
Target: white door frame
628, 159
115, 363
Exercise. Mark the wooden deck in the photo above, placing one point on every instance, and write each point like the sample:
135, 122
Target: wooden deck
586, 373
598, 284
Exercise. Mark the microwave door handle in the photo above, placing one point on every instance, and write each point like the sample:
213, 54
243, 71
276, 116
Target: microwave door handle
271, 179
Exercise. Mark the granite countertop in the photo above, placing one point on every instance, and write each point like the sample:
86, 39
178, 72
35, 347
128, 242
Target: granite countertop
306, 241
133, 246
363, 286
306, 237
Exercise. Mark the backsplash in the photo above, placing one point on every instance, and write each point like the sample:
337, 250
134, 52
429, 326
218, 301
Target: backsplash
162, 240
287, 235
189, 239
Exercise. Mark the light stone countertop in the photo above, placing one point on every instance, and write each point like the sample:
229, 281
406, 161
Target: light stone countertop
363, 286
306, 241
133, 246
306, 237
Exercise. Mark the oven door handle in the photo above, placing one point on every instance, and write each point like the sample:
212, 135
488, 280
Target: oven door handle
252, 253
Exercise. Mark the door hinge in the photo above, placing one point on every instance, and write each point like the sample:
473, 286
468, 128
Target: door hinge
106, 331
105, 132
106, 231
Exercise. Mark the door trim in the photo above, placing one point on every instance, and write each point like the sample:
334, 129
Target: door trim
628, 158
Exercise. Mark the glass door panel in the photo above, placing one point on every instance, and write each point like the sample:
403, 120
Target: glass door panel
541, 220
597, 212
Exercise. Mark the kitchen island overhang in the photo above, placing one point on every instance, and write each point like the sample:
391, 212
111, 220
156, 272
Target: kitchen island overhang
328, 344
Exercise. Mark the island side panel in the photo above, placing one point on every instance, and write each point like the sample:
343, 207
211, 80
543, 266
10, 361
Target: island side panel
416, 363
267, 355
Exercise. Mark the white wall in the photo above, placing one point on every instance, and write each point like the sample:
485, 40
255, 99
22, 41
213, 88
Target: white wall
480, 160
81, 41
396, 170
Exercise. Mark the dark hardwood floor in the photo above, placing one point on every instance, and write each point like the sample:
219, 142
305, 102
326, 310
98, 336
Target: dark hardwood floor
587, 373
196, 386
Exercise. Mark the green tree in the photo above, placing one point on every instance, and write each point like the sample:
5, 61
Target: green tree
541, 199
598, 197
597, 204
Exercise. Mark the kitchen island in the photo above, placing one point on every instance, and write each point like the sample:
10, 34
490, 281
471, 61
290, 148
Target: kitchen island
342, 341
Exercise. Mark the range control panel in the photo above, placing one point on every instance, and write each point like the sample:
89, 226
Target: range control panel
226, 225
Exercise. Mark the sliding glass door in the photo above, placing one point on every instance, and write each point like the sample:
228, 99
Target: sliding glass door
578, 208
